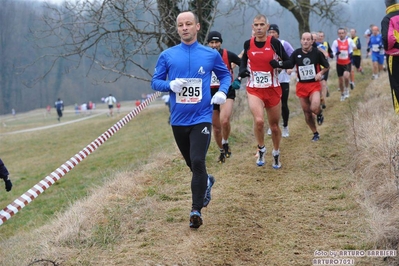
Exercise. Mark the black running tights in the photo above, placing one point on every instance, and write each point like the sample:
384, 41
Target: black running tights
285, 112
193, 142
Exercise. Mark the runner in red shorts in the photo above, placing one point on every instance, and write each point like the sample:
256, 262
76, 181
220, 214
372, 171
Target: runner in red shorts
263, 56
308, 61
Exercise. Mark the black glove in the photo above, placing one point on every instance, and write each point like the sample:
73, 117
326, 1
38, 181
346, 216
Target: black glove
276, 64
8, 183
244, 74
337, 53
368, 50
379, 47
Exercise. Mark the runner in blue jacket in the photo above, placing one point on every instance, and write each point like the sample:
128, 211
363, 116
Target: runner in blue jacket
185, 71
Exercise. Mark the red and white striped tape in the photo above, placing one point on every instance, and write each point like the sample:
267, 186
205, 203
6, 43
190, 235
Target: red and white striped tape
45, 183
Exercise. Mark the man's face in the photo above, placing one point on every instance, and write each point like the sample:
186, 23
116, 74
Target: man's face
314, 36
187, 27
375, 30
306, 41
342, 34
320, 37
273, 33
260, 27
214, 44
353, 33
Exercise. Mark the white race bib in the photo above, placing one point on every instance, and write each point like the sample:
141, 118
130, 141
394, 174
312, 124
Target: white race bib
191, 92
307, 72
262, 79
214, 80
343, 55
375, 48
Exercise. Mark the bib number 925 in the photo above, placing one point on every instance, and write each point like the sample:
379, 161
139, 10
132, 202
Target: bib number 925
262, 80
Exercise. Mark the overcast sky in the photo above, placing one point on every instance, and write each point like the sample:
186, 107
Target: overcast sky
50, 1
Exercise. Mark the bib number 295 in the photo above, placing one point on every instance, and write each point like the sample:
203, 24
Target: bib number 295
190, 91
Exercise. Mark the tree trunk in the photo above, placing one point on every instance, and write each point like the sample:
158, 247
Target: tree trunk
301, 11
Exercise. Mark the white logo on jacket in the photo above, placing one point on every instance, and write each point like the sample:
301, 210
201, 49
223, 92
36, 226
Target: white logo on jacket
201, 71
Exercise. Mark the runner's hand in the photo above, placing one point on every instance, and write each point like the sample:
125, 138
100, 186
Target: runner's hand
236, 84
219, 98
8, 183
177, 85
244, 74
275, 64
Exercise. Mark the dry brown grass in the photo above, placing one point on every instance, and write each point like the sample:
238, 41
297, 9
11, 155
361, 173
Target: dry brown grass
258, 216
376, 147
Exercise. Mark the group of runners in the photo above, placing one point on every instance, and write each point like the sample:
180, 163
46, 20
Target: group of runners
202, 87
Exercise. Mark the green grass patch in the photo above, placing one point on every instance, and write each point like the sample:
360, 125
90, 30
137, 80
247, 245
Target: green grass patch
32, 156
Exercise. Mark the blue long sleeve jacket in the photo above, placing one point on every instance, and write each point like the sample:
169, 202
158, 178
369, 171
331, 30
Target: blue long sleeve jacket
189, 62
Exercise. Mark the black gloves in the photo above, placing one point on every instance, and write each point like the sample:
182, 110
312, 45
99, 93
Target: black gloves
244, 74
337, 53
8, 183
276, 64
368, 50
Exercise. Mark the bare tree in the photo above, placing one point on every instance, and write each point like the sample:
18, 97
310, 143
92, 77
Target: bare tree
324, 9
119, 37
122, 38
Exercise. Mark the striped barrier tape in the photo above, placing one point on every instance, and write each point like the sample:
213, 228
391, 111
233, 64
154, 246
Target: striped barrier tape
49, 180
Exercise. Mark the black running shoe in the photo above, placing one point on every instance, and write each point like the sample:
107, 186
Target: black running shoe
195, 219
316, 137
222, 157
227, 150
320, 119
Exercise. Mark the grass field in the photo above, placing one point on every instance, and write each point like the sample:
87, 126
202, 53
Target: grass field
31, 156
128, 202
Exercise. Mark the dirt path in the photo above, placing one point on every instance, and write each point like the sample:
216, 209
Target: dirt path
258, 216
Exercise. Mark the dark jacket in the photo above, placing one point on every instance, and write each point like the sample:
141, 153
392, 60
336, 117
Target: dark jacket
3, 170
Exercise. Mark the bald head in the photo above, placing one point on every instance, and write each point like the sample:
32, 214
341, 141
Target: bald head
186, 14
306, 41
375, 30
187, 27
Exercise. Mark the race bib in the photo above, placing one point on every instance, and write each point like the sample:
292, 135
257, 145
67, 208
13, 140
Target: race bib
375, 48
214, 80
307, 72
343, 55
382, 51
262, 79
191, 92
